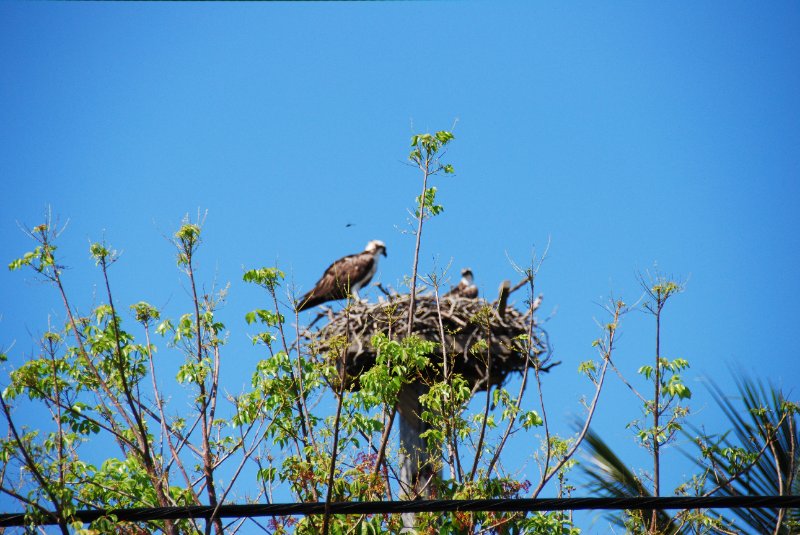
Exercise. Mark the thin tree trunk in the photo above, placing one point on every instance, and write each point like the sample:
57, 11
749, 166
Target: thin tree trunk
656, 407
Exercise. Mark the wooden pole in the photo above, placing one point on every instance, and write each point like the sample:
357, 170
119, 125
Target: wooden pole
416, 466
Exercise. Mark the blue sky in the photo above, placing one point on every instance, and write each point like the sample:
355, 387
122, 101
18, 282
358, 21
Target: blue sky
627, 135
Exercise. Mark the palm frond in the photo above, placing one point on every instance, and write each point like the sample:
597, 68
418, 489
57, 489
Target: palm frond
610, 477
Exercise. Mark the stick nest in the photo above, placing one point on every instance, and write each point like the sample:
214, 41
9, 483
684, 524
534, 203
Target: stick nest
483, 345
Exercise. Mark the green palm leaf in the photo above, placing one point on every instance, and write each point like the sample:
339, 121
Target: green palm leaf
610, 476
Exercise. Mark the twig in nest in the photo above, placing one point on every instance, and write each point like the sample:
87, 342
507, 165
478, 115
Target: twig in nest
502, 298
385, 292
323, 311
546, 368
520, 284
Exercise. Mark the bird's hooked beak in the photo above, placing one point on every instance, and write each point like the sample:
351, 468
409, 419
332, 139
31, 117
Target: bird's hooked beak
384, 252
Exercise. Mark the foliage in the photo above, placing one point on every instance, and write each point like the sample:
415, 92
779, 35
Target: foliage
757, 455
759, 459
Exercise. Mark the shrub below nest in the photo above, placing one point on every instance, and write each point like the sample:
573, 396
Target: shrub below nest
482, 345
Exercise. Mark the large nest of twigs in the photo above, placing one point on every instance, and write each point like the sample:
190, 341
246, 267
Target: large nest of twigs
484, 343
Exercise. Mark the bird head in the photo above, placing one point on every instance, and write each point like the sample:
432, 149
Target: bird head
467, 274
376, 247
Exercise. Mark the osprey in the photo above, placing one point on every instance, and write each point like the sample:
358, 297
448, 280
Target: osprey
345, 277
465, 287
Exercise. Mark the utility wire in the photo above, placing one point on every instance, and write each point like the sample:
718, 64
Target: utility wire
143, 514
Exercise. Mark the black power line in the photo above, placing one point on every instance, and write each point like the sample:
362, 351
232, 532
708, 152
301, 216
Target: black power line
142, 514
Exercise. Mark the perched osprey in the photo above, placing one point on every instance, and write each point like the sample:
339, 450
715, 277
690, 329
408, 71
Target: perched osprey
465, 287
345, 277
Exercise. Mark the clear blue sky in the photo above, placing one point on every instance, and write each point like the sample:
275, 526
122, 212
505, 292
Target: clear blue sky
628, 134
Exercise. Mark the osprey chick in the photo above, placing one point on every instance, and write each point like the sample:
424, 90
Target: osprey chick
465, 287
345, 277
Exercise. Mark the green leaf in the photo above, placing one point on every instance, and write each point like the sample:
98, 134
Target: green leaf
144, 312
100, 253
444, 136
531, 419
188, 233
647, 371
164, 327
266, 277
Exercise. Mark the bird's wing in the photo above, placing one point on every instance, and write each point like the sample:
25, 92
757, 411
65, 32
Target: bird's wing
455, 291
352, 269
471, 292
335, 283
